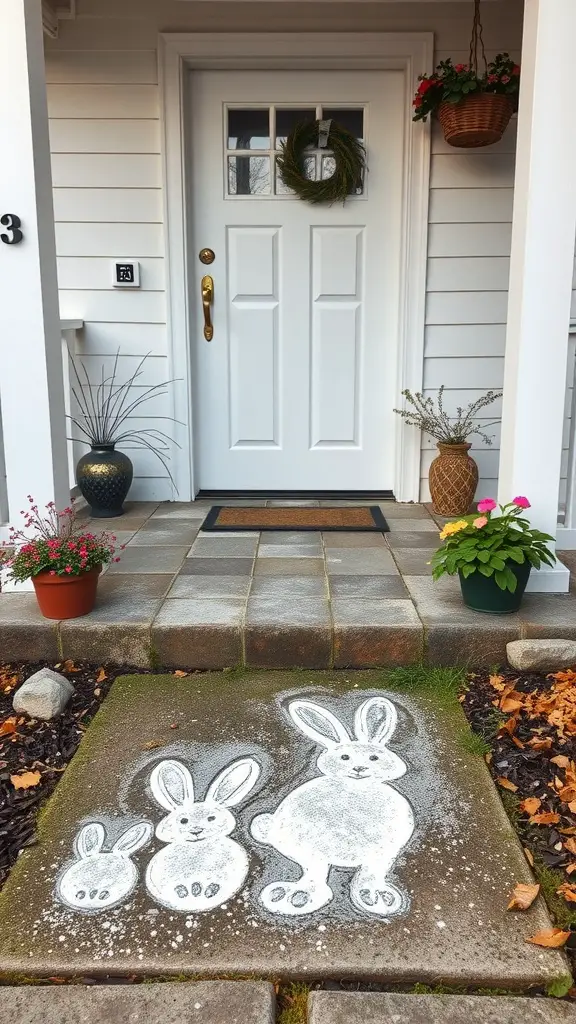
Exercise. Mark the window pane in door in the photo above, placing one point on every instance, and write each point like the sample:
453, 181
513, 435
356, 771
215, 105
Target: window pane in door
286, 121
249, 129
248, 175
309, 167
348, 118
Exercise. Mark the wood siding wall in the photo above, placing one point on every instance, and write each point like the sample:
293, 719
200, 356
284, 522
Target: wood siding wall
105, 138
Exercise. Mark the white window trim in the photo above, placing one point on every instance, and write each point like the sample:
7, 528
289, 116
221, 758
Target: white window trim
411, 53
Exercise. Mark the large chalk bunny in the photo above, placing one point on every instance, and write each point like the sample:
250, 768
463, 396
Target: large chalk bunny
201, 867
102, 879
347, 818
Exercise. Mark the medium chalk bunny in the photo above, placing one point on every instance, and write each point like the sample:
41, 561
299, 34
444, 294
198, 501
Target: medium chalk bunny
102, 879
347, 818
200, 868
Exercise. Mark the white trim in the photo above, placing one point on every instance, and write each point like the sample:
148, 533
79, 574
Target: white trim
565, 538
408, 52
550, 579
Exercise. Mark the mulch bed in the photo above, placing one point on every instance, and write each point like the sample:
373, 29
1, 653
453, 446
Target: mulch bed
529, 724
39, 748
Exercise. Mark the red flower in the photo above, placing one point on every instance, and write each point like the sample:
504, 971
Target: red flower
461, 67
68, 568
516, 69
492, 79
505, 79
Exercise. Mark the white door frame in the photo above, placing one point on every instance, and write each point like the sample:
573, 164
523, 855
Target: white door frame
409, 52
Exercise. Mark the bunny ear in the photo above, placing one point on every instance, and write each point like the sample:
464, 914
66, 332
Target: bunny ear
171, 785
133, 838
316, 722
90, 839
375, 720
234, 783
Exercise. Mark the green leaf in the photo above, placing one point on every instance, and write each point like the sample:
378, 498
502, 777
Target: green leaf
511, 580
516, 554
483, 556
501, 580
467, 570
497, 563
486, 570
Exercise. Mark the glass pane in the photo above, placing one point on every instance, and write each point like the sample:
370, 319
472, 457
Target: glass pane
286, 121
248, 175
328, 167
309, 172
249, 129
353, 120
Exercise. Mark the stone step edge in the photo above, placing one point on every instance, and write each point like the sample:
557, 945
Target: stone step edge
326, 1007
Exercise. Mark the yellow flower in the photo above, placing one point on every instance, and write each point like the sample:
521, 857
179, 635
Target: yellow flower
452, 528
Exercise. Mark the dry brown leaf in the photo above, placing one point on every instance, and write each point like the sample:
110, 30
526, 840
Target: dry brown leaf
509, 725
517, 742
530, 805
529, 857
25, 781
8, 726
509, 704
551, 938
101, 676
568, 892
567, 794
506, 784
545, 818
180, 673
497, 682
152, 744
69, 666
540, 744
488, 757
571, 867
523, 896
570, 845
561, 760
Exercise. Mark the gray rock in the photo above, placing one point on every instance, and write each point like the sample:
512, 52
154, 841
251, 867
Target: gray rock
394, 1008
43, 695
205, 1002
541, 655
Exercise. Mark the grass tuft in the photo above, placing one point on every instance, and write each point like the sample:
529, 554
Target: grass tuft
293, 1003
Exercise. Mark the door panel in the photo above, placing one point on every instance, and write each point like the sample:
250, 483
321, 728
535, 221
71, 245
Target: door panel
296, 389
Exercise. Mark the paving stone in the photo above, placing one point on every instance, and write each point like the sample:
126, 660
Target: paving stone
375, 632
182, 510
307, 537
44, 695
360, 562
150, 559
541, 655
396, 1008
133, 584
222, 546
288, 631
444, 853
337, 539
117, 631
289, 567
217, 566
200, 634
551, 616
412, 540
289, 586
25, 635
396, 510
291, 551
118, 523
405, 525
368, 586
210, 587
166, 524
202, 1002
185, 535
413, 563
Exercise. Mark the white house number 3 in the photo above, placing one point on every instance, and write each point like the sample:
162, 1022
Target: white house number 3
12, 223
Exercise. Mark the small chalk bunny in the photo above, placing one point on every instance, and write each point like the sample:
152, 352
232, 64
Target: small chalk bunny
102, 879
201, 867
347, 818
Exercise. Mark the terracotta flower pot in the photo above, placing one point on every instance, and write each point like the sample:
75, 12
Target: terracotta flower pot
479, 119
66, 597
453, 480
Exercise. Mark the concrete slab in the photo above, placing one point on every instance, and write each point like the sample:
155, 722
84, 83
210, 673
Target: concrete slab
360, 562
393, 1008
24, 634
203, 1002
408, 864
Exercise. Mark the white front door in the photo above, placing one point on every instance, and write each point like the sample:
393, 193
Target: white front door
295, 391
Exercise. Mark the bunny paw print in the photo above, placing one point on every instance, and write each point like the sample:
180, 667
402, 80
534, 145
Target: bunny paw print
296, 898
197, 889
375, 896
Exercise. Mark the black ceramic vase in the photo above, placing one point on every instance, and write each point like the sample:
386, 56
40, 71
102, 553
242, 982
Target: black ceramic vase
104, 476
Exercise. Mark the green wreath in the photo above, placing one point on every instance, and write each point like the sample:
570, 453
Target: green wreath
349, 156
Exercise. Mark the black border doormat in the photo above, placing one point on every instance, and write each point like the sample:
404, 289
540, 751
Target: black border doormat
296, 518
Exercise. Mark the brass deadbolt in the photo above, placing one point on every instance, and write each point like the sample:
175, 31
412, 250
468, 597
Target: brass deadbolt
206, 256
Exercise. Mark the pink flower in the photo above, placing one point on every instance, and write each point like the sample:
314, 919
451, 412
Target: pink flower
521, 502
68, 568
505, 79
480, 522
486, 505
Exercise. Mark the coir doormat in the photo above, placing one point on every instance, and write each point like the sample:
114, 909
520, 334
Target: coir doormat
366, 518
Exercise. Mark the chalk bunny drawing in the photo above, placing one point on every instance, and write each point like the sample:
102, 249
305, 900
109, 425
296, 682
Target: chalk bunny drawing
201, 867
346, 818
102, 879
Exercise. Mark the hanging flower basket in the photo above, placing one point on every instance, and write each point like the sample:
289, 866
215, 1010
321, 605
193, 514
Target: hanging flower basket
479, 119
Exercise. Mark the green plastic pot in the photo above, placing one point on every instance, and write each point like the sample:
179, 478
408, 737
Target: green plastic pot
483, 594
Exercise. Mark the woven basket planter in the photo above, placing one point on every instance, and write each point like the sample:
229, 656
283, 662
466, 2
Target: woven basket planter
478, 120
453, 479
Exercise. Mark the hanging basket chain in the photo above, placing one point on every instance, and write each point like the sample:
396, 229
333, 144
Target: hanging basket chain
477, 42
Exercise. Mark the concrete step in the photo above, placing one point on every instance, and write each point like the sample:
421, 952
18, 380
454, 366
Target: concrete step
393, 1008
204, 1002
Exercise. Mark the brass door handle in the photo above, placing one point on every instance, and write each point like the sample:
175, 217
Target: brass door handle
207, 287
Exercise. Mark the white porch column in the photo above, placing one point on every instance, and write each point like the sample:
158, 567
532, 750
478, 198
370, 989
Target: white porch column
543, 233
31, 389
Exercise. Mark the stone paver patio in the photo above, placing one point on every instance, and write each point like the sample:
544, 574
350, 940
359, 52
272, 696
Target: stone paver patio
185, 599
313, 827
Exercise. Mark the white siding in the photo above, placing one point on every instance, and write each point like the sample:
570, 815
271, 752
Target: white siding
104, 106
